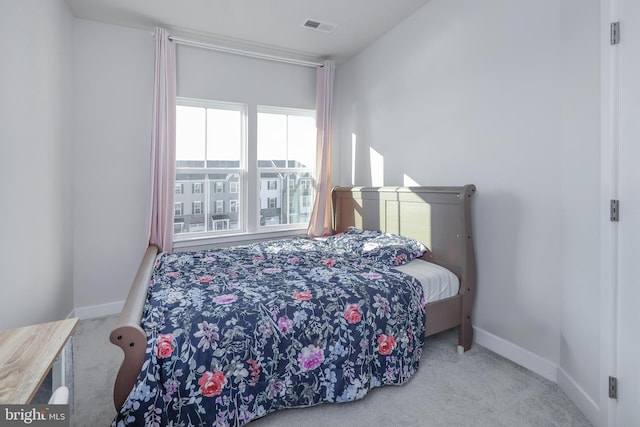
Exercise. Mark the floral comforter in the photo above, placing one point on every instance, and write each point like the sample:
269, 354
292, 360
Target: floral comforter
234, 334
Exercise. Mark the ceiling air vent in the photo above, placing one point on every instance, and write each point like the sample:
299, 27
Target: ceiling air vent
325, 27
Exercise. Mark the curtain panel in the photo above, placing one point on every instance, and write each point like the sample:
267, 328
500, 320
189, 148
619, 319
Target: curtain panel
163, 146
320, 222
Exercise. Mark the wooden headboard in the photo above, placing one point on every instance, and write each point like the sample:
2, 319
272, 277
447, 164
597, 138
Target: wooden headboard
440, 218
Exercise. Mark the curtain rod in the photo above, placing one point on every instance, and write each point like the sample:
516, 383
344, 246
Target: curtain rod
245, 52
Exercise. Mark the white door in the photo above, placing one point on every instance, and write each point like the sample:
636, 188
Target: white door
628, 324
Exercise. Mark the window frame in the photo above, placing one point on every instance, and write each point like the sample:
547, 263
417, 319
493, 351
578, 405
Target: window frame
266, 109
248, 184
209, 185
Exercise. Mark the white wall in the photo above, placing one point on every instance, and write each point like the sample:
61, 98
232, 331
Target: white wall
581, 207
503, 94
35, 162
113, 96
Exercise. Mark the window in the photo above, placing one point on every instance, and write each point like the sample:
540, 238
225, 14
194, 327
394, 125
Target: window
196, 208
212, 148
220, 224
177, 209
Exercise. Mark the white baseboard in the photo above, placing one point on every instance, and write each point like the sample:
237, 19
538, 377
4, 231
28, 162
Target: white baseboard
577, 395
516, 354
102, 310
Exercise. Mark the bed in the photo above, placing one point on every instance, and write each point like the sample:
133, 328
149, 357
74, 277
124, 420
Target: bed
335, 322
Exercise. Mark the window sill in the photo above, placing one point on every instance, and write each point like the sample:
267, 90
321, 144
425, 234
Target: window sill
209, 242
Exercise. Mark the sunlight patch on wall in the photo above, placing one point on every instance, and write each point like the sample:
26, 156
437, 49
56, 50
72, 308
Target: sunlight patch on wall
377, 168
409, 182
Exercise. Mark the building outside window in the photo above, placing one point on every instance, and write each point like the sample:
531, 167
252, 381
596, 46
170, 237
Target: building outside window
178, 209
196, 208
219, 187
179, 188
196, 188
233, 206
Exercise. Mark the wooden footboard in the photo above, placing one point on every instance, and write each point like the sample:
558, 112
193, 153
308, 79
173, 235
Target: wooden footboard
128, 334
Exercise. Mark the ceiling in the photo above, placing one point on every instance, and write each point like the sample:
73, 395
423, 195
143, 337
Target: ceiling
264, 25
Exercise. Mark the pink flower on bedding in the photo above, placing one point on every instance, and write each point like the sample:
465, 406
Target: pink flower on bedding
329, 262
371, 275
310, 357
257, 258
254, 369
173, 274
165, 345
284, 325
225, 299
400, 259
211, 383
205, 279
293, 260
302, 296
386, 344
352, 313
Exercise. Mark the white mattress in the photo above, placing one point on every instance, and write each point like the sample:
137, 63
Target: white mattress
438, 282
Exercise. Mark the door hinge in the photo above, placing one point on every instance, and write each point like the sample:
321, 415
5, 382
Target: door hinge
615, 32
613, 388
614, 210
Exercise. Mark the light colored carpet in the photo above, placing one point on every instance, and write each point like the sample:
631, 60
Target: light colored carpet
476, 389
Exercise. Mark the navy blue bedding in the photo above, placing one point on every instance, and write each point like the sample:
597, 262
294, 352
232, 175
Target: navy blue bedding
234, 334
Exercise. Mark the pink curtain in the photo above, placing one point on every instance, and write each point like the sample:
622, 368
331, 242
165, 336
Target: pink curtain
320, 222
163, 145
